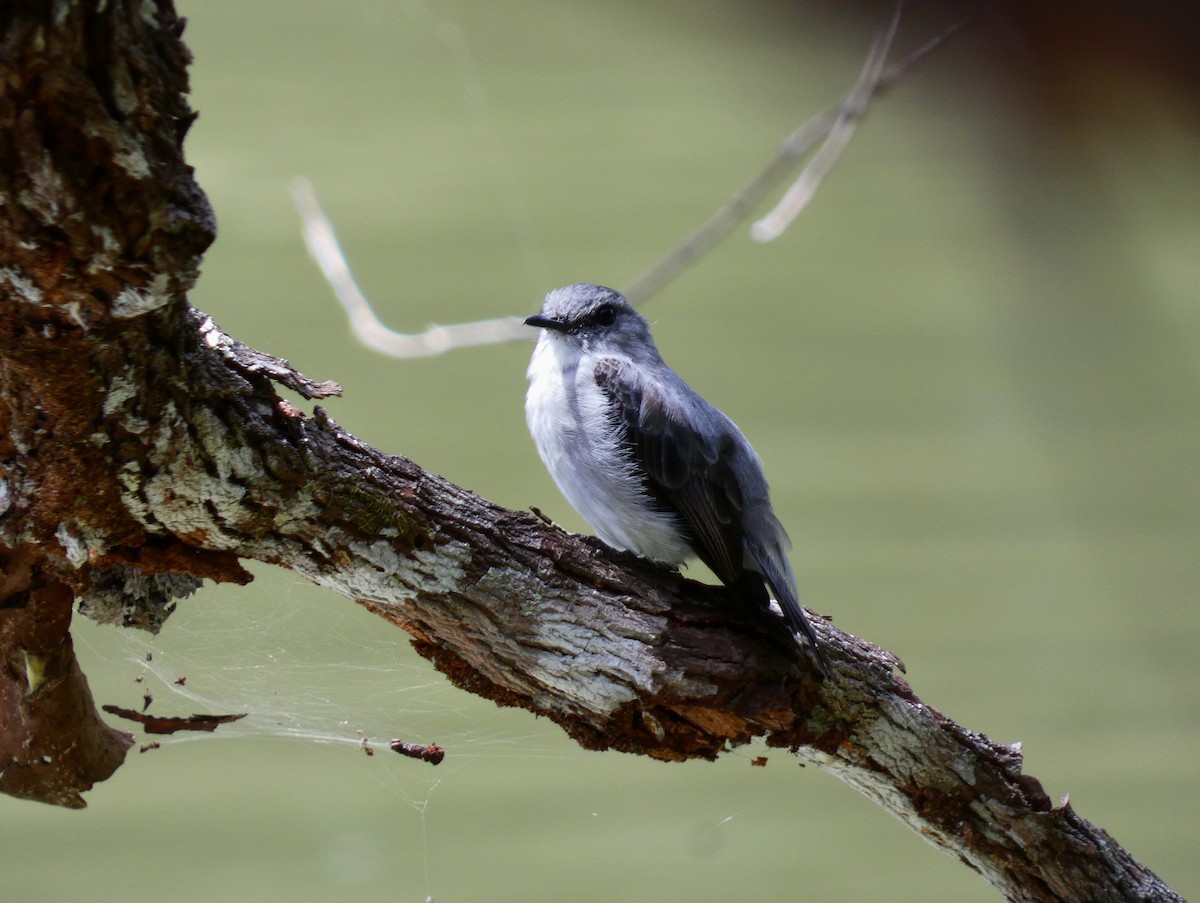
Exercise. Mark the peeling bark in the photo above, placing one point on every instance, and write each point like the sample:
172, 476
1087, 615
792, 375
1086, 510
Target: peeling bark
143, 450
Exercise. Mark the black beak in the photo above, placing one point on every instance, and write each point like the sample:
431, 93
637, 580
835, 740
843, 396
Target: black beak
546, 323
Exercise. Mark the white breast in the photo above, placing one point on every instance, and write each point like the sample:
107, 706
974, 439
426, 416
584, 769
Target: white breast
579, 443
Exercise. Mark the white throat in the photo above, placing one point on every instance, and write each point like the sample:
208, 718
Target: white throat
580, 443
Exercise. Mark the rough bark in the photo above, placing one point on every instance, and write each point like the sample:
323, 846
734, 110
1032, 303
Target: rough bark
143, 450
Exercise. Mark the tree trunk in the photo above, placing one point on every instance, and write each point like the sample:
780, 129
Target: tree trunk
144, 450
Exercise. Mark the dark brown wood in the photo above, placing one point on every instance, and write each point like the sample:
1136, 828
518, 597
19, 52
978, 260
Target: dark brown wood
143, 451
53, 744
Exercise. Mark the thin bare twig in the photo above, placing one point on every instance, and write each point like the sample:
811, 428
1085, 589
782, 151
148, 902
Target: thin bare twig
325, 250
834, 126
738, 207
850, 113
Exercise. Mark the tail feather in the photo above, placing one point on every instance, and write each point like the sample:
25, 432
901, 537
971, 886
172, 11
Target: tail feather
756, 583
798, 621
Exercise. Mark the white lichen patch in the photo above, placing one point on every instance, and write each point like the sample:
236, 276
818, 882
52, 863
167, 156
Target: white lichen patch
189, 501
381, 555
19, 488
76, 312
79, 543
104, 260
182, 495
73, 545
134, 302
230, 457
170, 428
125, 150
442, 570
22, 286
130, 478
120, 391
46, 194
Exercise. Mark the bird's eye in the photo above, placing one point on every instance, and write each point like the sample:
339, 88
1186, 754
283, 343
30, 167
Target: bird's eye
606, 315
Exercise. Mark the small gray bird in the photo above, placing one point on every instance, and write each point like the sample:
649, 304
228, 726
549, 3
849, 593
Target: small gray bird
652, 466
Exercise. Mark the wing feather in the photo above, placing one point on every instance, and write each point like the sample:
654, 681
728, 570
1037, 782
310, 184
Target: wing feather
686, 471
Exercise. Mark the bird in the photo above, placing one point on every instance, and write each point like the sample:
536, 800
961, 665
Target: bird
649, 464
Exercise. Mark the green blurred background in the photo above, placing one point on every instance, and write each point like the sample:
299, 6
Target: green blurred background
972, 370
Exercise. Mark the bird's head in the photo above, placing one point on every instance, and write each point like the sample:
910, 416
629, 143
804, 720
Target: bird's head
595, 319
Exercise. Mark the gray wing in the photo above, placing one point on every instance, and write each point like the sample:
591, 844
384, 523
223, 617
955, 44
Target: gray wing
713, 481
687, 471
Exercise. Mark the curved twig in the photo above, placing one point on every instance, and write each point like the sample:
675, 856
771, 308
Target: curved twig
835, 124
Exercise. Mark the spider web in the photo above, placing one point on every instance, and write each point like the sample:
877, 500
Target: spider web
301, 664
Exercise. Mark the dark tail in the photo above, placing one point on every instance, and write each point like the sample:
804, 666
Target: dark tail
755, 587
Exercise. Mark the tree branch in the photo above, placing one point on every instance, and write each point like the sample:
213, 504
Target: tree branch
144, 450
